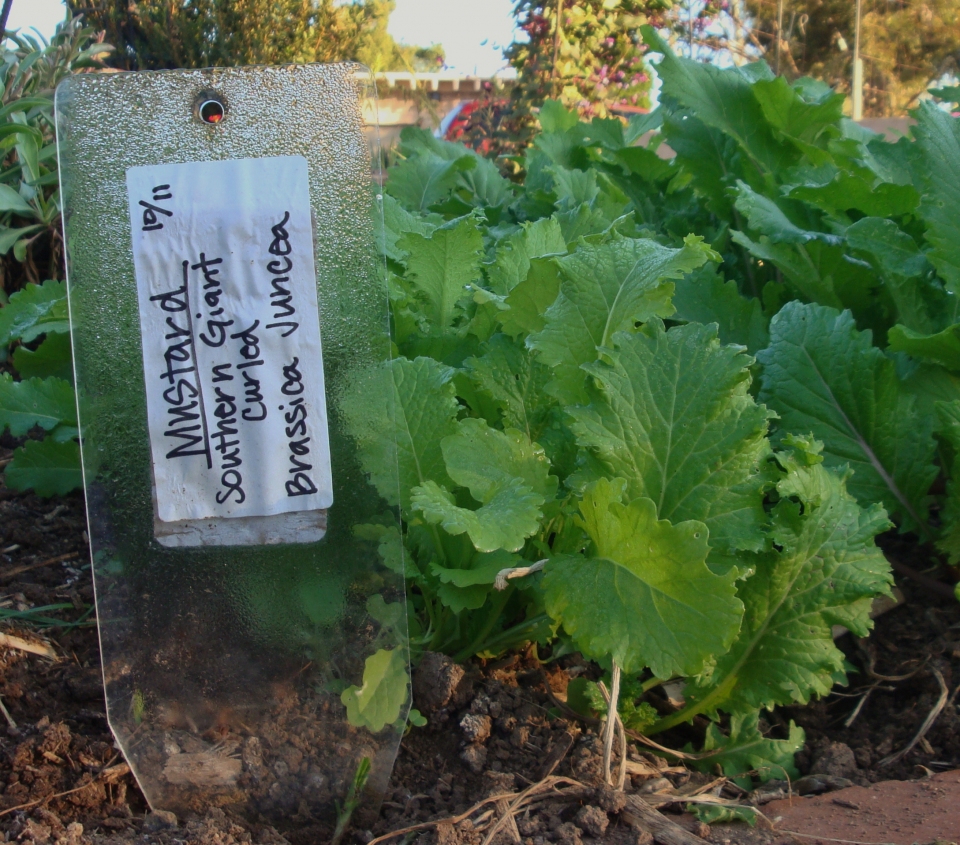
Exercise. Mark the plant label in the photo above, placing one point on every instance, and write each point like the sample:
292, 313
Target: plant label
232, 358
229, 311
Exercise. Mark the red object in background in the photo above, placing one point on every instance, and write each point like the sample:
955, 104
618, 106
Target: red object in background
475, 114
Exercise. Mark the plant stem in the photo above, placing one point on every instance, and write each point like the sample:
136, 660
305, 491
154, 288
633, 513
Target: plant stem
610, 728
556, 46
652, 683
499, 603
352, 800
509, 636
438, 545
4, 15
717, 695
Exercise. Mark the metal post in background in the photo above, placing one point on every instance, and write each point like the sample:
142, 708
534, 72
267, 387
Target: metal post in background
857, 69
780, 31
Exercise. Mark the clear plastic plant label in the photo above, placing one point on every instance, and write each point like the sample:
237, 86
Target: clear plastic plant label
248, 573
232, 359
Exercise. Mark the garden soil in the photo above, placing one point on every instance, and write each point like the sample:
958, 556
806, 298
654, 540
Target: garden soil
496, 729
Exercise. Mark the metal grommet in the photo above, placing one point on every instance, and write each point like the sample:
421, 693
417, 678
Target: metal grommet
210, 107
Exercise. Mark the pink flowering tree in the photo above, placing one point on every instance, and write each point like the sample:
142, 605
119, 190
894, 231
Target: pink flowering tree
587, 53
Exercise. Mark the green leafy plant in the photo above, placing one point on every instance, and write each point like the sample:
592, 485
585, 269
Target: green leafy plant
588, 54
228, 33
34, 323
44, 396
657, 408
352, 800
29, 183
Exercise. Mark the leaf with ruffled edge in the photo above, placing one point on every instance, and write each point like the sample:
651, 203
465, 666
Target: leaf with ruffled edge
440, 266
383, 694
505, 519
398, 414
33, 311
643, 596
48, 467
745, 752
948, 417
515, 380
506, 473
514, 253
607, 288
825, 570
43, 402
672, 414
822, 375
468, 589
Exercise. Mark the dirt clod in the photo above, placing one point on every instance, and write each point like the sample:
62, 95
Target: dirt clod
435, 681
834, 758
475, 756
475, 728
568, 834
656, 785
610, 800
446, 834
159, 820
592, 820
818, 784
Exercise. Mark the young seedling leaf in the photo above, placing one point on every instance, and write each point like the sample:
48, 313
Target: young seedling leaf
388, 614
469, 589
514, 253
921, 302
51, 358
704, 297
397, 222
483, 569
10, 200
515, 381
528, 302
483, 459
722, 99
506, 473
380, 699
34, 310
509, 513
938, 137
942, 348
745, 753
485, 186
425, 179
389, 543
767, 218
643, 595
795, 117
948, 416
440, 267
714, 813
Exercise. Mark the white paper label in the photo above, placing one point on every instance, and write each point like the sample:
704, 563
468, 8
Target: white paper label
231, 337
